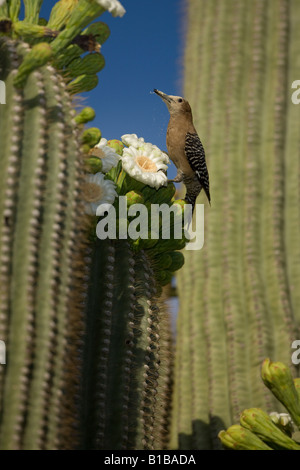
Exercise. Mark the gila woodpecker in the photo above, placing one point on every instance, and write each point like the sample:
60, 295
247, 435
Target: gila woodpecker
185, 148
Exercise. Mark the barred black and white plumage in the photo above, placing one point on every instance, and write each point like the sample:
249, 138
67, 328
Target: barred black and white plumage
196, 157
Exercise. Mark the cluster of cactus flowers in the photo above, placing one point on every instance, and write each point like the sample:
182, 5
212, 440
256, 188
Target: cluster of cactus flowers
84, 320
134, 169
259, 430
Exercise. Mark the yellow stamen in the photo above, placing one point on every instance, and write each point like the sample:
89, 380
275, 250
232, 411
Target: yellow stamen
92, 192
97, 152
146, 164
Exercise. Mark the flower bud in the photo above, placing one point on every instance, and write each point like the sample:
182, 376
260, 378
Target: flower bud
278, 378
260, 423
238, 438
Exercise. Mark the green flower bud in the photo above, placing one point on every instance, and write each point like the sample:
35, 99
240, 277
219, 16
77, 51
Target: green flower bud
177, 261
72, 52
278, 378
38, 56
42, 22
259, 422
164, 277
134, 197
181, 203
91, 136
86, 115
61, 13
22, 28
238, 438
170, 245
117, 145
163, 261
93, 164
83, 83
147, 243
82, 14
99, 30
89, 64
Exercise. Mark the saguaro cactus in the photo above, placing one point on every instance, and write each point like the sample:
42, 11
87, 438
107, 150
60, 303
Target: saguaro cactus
239, 300
125, 393
83, 320
42, 226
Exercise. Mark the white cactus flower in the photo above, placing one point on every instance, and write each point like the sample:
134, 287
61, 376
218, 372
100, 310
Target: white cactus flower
113, 6
97, 191
132, 140
107, 154
145, 166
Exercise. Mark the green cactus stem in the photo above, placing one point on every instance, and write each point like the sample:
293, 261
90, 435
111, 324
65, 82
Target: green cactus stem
123, 354
42, 224
238, 295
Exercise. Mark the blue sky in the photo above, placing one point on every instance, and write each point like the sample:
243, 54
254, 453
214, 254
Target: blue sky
144, 51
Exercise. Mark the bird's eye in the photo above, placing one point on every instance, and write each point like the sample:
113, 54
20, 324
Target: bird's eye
179, 100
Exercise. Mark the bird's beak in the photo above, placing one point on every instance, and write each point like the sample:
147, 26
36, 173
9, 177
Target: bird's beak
163, 96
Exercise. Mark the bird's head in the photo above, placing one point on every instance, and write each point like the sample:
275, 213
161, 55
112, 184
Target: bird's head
175, 104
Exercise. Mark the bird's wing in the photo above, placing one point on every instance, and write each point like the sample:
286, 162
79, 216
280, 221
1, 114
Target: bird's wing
195, 155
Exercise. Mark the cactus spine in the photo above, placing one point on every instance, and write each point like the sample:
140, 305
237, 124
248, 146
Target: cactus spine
236, 301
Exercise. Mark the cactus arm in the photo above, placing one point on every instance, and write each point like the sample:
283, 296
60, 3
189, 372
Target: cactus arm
292, 167
234, 299
110, 317
151, 359
73, 281
22, 299
11, 118
52, 251
256, 302
47, 258
212, 302
181, 430
272, 166
195, 332
164, 389
32, 10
